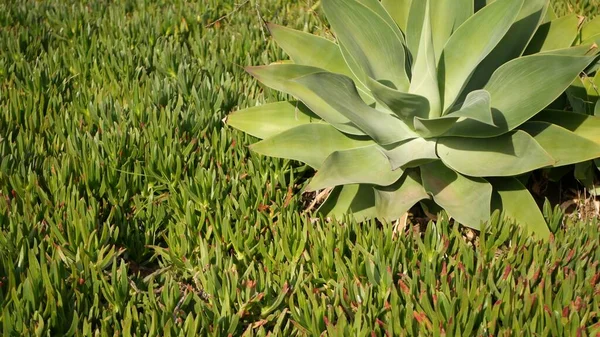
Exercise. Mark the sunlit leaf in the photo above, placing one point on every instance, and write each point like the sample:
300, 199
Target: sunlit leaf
424, 80
556, 34
299, 144
339, 92
404, 105
399, 10
366, 165
310, 50
281, 76
411, 153
270, 119
471, 43
446, 17
414, 26
520, 89
512, 44
373, 44
477, 106
507, 155
590, 32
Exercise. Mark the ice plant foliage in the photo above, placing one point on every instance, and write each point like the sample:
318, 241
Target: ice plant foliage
438, 101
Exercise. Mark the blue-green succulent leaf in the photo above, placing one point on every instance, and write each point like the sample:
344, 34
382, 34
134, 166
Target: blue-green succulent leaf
411, 153
365, 165
339, 92
268, 120
471, 43
520, 89
280, 77
373, 44
511, 154
308, 143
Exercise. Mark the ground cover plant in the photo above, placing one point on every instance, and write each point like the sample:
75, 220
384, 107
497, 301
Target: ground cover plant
129, 208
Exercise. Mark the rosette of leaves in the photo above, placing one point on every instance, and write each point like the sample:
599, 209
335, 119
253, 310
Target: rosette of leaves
423, 101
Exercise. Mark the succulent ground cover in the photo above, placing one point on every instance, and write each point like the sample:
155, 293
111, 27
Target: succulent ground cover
129, 208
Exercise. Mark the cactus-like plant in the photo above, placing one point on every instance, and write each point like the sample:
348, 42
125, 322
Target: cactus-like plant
433, 100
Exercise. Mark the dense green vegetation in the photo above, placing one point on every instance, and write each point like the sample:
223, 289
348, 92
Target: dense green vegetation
130, 209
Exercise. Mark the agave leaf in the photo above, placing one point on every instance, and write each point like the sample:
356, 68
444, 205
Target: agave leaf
597, 109
309, 143
398, 10
589, 49
280, 77
477, 106
411, 153
508, 155
404, 105
270, 119
424, 81
414, 26
431, 128
358, 200
520, 89
309, 50
597, 162
377, 7
365, 165
467, 200
446, 17
590, 32
518, 204
563, 145
340, 93
315, 51
582, 125
393, 201
471, 43
277, 76
512, 44
556, 34
373, 44
358, 75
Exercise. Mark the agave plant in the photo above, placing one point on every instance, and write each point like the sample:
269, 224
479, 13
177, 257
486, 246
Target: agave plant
438, 101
